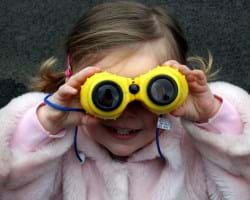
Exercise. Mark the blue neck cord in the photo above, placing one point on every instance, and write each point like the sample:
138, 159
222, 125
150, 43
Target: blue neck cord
157, 140
59, 107
157, 137
75, 145
67, 109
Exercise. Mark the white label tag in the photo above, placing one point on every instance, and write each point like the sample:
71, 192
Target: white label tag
164, 123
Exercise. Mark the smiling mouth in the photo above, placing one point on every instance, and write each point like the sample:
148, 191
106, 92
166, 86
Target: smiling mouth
122, 133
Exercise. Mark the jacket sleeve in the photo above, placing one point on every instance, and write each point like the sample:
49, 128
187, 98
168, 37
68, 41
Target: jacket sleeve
19, 168
226, 150
22, 140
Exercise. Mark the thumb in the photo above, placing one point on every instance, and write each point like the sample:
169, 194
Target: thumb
179, 112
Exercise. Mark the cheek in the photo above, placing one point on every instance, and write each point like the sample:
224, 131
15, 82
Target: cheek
99, 134
94, 130
149, 118
150, 121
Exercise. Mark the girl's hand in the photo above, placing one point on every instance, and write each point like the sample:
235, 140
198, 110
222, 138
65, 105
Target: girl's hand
67, 95
200, 104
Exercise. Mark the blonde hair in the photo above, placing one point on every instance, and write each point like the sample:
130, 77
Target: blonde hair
116, 25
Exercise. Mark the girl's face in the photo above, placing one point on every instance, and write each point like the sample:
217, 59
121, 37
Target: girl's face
135, 128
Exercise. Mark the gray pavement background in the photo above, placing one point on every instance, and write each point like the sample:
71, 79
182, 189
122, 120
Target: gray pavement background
32, 31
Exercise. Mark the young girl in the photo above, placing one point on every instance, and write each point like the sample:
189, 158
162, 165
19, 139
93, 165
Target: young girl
204, 153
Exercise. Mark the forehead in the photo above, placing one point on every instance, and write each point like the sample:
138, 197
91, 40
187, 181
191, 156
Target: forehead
131, 63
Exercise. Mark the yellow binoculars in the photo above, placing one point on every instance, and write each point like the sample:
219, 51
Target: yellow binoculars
106, 95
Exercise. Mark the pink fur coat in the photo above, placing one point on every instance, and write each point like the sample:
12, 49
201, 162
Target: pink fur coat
200, 165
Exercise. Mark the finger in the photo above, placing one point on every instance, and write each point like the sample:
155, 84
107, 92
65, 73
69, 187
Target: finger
170, 62
181, 68
70, 89
79, 78
196, 86
199, 76
66, 92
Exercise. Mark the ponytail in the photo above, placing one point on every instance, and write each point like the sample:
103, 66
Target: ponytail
206, 65
48, 79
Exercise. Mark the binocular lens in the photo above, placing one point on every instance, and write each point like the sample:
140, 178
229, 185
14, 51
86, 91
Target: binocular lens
107, 96
162, 90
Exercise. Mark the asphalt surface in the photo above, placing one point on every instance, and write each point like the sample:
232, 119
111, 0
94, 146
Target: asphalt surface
32, 31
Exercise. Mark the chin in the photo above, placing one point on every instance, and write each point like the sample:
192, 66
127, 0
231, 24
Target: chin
125, 151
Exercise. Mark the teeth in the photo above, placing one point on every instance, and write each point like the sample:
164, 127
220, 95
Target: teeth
124, 131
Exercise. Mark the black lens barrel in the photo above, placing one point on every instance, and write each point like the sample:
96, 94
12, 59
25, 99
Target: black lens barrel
107, 95
162, 90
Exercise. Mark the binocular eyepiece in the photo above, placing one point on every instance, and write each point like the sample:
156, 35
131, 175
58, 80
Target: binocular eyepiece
161, 90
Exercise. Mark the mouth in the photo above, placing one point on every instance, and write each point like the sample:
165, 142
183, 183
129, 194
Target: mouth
123, 133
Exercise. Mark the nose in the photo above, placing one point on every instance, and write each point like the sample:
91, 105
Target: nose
132, 109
